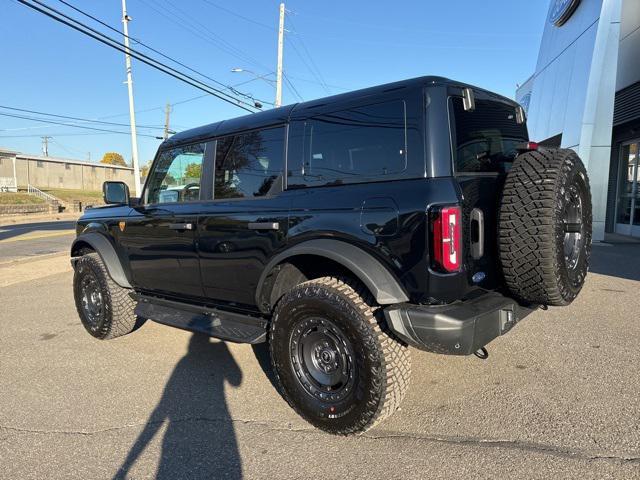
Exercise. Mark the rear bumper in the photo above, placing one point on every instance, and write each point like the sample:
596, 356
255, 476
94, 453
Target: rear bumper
459, 328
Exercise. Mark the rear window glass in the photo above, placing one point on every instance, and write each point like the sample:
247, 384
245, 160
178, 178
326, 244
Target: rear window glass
358, 144
485, 138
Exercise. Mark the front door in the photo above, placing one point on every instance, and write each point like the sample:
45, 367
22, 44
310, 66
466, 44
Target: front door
159, 236
628, 205
247, 221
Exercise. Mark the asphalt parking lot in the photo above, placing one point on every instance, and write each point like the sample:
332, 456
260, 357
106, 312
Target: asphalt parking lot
559, 397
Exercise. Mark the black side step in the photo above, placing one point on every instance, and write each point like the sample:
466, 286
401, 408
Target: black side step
230, 326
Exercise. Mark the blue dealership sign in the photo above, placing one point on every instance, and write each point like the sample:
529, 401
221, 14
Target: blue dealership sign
561, 11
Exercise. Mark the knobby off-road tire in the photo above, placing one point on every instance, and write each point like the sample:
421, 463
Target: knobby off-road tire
333, 361
545, 227
105, 308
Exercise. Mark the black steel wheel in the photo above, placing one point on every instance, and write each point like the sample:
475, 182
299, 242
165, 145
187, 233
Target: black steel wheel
323, 359
105, 308
333, 361
91, 299
574, 234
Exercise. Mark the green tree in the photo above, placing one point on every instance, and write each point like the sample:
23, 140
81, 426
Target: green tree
193, 171
113, 158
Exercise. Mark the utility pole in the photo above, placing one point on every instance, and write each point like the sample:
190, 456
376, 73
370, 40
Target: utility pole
167, 112
280, 47
45, 146
132, 114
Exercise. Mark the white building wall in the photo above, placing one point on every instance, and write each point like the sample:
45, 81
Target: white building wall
573, 89
629, 54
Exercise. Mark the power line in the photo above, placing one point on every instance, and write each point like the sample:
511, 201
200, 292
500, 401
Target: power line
70, 150
313, 68
293, 89
64, 134
52, 122
87, 120
179, 20
140, 42
250, 20
187, 21
186, 100
102, 38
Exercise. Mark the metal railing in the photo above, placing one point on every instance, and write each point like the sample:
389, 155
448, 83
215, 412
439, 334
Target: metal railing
50, 199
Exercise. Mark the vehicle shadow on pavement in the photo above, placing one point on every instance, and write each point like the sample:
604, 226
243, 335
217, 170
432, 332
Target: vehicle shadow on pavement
263, 356
200, 441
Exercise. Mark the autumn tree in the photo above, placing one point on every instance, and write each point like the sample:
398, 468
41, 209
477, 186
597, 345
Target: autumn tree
113, 158
193, 171
144, 170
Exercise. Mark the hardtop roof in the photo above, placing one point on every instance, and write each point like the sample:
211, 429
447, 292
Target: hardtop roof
281, 115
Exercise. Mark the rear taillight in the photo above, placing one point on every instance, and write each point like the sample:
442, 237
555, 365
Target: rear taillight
446, 228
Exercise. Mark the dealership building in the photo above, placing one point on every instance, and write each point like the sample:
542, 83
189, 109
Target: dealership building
585, 95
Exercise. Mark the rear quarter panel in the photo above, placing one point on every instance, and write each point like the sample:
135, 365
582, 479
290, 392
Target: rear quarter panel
386, 219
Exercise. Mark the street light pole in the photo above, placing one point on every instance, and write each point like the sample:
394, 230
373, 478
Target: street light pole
132, 113
280, 47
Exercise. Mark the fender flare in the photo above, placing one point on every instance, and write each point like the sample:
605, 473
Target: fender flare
107, 253
380, 282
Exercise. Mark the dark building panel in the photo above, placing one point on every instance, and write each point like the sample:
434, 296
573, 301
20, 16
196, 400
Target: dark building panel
627, 106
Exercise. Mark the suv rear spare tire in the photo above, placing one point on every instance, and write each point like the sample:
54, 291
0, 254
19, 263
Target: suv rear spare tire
332, 360
545, 227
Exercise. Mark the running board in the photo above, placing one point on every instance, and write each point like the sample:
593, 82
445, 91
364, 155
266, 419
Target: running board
229, 326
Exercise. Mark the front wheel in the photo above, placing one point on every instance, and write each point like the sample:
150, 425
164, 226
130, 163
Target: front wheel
105, 308
333, 362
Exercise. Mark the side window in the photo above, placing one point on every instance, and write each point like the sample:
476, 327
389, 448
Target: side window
485, 138
354, 145
249, 164
176, 175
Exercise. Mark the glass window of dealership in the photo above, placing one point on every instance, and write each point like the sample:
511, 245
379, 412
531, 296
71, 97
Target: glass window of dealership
585, 95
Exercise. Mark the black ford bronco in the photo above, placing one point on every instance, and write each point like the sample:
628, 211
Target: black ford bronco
343, 231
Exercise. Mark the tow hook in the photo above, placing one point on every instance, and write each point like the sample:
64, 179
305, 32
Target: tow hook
481, 353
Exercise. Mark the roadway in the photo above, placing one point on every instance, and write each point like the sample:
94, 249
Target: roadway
559, 397
35, 239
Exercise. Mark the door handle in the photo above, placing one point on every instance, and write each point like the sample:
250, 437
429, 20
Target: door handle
181, 226
264, 225
477, 233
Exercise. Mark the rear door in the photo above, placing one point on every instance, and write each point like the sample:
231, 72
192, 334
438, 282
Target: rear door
159, 235
246, 222
484, 146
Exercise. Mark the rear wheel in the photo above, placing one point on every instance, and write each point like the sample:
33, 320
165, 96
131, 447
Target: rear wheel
105, 308
545, 227
333, 362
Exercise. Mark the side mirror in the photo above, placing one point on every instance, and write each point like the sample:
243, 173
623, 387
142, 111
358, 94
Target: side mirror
115, 193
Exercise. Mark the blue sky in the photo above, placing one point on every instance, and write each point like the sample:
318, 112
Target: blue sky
50, 68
